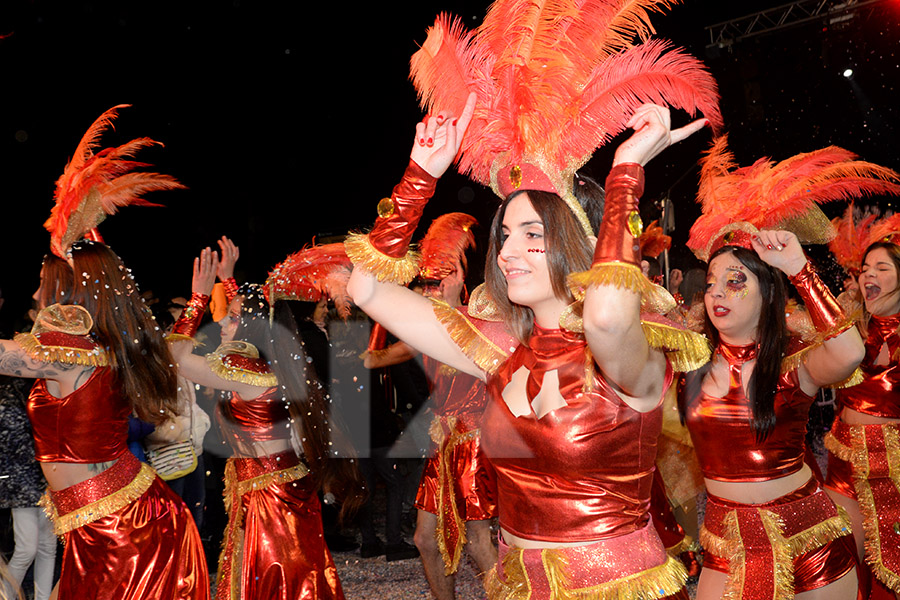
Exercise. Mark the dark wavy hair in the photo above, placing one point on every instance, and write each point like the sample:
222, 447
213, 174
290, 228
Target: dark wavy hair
568, 249
273, 331
772, 341
56, 281
122, 322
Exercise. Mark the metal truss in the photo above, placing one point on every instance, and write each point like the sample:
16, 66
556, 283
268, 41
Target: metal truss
726, 33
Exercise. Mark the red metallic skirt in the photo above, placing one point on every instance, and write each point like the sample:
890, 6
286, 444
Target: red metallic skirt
274, 547
793, 544
864, 464
457, 484
634, 565
128, 536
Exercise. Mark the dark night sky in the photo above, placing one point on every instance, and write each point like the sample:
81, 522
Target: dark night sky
288, 121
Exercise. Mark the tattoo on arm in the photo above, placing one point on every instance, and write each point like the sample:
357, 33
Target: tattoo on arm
17, 363
83, 376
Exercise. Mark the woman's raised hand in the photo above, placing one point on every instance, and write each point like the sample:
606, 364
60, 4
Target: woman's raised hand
438, 138
653, 133
205, 267
780, 249
230, 254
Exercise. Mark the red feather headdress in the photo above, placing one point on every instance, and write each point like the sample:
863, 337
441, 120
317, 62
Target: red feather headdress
93, 186
311, 274
555, 80
851, 239
445, 244
737, 202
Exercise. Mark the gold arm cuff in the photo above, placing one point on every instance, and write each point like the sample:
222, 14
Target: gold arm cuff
654, 298
180, 337
216, 362
685, 349
482, 351
97, 357
385, 268
100, 508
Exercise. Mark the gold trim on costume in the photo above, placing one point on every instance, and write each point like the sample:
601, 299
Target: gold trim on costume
365, 256
654, 298
784, 549
180, 337
218, 362
474, 344
445, 444
685, 349
653, 583
481, 306
98, 509
233, 542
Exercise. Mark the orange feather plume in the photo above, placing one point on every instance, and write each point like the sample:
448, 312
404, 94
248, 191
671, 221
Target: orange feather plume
851, 239
445, 244
653, 241
311, 274
785, 195
93, 186
554, 80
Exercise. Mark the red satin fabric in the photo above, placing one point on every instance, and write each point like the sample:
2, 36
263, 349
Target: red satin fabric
580, 473
454, 392
261, 419
812, 570
726, 446
284, 555
840, 477
90, 425
147, 550
391, 234
879, 393
670, 531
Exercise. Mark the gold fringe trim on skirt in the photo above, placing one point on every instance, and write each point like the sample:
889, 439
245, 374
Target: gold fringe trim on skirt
98, 509
386, 268
866, 499
784, 549
231, 556
474, 344
96, 357
685, 349
654, 298
651, 584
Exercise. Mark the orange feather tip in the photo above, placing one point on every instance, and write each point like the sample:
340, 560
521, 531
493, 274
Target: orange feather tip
785, 195
653, 241
96, 184
444, 245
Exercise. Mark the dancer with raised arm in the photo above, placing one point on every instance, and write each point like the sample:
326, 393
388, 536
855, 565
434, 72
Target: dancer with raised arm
580, 379
769, 529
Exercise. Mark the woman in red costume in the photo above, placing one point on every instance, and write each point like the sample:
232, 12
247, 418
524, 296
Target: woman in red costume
864, 442
769, 529
274, 546
127, 535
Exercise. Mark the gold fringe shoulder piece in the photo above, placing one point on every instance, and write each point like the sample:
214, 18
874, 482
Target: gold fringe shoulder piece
482, 306
102, 507
61, 350
686, 350
239, 361
654, 298
473, 343
365, 256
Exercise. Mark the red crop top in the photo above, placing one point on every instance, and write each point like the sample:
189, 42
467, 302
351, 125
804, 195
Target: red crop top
720, 427
90, 425
879, 393
261, 419
583, 471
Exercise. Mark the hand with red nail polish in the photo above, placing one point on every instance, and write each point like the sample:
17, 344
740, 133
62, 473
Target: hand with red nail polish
439, 137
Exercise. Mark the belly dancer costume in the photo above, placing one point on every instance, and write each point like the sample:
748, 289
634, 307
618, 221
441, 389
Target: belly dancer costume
864, 460
457, 482
127, 535
274, 546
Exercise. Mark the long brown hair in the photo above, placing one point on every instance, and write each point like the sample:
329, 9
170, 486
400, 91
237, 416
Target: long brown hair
568, 250
139, 355
893, 251
56, 281
275, 335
